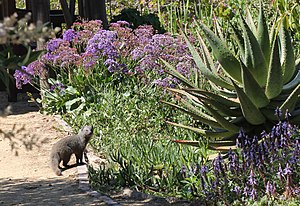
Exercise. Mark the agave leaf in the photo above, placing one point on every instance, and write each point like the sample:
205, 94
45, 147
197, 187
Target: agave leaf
252, 89
219, 146
171, 70
221, 120
211, 134
203, 68
223, 109
188, 95
188, 142
221, 52
238, 38
274, 80
194, 129
293, 83
222, 100
263, 34
254, 57
287, 53
295, 116
206, 55
196, 114
222, 143
251, 113
290, 102
249, 20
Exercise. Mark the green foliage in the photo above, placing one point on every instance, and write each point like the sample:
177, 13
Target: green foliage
254, 81
17, 34
135, 19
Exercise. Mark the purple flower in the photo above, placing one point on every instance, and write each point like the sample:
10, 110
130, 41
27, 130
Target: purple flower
111, 65
204, 170
253, 194
280, 172
26, 73
69, 35
270, 189
237, 190
251, 179
278, 112
183, 169
54, 44
287, 170
59, 86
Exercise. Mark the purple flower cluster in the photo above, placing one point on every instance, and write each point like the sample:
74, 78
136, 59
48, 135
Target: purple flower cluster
26, 73
257, 168
87, 45
57, 86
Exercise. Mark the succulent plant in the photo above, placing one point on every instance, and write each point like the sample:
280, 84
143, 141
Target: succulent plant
246, 86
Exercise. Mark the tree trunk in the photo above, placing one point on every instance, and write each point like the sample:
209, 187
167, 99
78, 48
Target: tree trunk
93, 9
41, 15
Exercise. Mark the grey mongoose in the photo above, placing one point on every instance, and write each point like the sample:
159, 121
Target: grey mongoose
64, 148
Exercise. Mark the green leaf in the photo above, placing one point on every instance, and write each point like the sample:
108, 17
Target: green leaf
251, 113
287, 53
293, 83
223, 109
252, 89
222, 100
196, 114
220, 50
254, 57
172, 71
290, 103
210, 134
221, 120
263, 34
274, 80
203, 68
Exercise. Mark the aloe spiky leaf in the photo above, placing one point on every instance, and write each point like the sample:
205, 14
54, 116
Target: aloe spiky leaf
249, 20
206, 119
206, 55
251, 113
252, 89
290, 103
207, 133
254, 57
223, 109
196, 114
221, 120
293, 83
222, 53
240, 42
220, 145
216, 97
263, 34
287, 53
203, 68
171, 70
274, 79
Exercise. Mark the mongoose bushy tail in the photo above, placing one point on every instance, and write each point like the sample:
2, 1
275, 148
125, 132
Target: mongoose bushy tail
64, 148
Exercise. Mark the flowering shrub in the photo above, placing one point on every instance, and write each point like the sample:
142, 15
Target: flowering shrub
256, 169
19, 33
121, 50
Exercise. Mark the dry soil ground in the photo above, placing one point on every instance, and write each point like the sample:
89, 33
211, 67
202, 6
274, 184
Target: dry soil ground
25, 175
26, 138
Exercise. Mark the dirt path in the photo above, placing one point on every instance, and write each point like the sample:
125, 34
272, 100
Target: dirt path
25, 175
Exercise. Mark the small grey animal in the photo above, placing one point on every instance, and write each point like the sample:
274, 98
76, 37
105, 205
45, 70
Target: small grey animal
64, 148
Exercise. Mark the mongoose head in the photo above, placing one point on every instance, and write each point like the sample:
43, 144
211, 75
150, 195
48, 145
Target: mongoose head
86, 131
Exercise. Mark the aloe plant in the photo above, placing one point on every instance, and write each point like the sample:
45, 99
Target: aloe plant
261, 76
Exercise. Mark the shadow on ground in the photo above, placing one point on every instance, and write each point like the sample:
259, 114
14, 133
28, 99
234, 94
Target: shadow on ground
43, 192
22, 106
